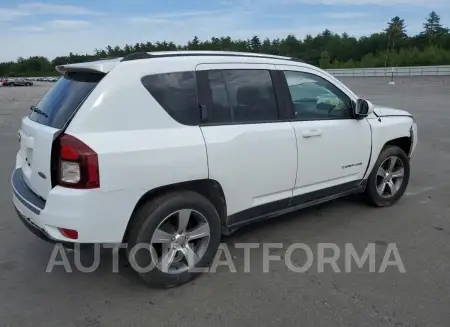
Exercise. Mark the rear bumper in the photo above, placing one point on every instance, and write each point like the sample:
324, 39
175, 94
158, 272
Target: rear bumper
39, 232
97, 216
24, 194
32, 227
28, 206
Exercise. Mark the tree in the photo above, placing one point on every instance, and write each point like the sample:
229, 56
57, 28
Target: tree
227, 43
328, 50
290, 46
100, 53
324, 60
194, 44
433, 29
109, 50
396, 32
255, 44
128, 49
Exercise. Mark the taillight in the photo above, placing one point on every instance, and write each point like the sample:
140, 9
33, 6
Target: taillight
78, 164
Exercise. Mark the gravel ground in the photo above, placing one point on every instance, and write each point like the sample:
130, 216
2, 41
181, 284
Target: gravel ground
419, 225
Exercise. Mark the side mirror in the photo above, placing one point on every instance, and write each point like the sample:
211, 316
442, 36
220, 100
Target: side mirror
363, 108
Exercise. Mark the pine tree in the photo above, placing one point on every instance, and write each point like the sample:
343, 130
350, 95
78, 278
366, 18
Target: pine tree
255, 44
396, 31
194, 44
433, 28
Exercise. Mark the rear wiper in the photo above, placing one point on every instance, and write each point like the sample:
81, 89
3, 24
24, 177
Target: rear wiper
38, 111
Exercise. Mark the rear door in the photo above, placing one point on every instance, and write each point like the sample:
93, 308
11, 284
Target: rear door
250, 151
46, 120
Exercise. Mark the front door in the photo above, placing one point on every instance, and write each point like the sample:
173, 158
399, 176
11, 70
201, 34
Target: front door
333, 147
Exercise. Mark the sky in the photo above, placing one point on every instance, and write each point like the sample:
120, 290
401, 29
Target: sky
56, 27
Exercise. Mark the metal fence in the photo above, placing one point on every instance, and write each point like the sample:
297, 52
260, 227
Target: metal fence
398, 71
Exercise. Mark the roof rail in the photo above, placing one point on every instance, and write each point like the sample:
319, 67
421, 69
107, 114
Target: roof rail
147, 55
137, 55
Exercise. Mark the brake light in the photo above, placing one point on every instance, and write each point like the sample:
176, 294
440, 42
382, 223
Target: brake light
78, 164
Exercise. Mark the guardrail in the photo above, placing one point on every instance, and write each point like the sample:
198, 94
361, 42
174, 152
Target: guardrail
398, 71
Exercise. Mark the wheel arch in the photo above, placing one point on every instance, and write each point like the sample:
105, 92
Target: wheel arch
209, 188
404, 143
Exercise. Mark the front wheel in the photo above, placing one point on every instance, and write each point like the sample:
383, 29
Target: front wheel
172, 235
389, 177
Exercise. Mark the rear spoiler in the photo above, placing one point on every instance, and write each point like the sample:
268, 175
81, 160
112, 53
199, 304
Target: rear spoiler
62, 69
101, 66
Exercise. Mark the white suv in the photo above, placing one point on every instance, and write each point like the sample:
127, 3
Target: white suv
176, 149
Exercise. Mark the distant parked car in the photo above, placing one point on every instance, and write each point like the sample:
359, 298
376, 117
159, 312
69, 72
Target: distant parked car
17, 82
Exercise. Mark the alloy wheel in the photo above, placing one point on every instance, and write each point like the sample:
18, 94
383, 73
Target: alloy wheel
389, 177
180, 241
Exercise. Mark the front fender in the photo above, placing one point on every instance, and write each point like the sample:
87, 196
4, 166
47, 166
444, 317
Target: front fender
386, 129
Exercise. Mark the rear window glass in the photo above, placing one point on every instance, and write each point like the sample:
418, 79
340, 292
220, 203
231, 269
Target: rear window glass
60, 103
177, 94
241, 96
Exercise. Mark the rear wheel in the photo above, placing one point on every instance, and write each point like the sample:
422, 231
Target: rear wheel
171, 235
389, 177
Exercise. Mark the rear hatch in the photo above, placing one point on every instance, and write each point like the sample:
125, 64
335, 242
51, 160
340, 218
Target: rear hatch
46, 121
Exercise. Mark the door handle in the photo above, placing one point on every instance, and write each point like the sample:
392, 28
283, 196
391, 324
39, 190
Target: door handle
312, 133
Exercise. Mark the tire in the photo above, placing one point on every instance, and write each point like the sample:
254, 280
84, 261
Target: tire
164, 210
376, 178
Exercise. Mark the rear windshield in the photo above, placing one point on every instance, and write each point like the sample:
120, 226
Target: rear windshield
59, 104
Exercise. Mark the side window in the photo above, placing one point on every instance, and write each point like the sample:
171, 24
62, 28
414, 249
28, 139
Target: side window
219, 110
241, 96
314, 98
177, 94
